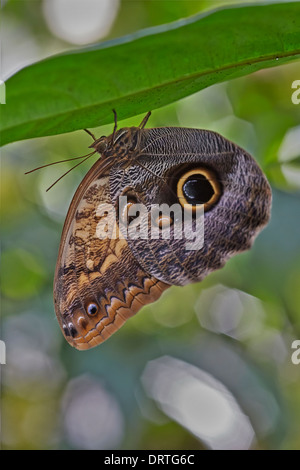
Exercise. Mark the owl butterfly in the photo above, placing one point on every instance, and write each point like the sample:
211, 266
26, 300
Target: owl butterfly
101, 281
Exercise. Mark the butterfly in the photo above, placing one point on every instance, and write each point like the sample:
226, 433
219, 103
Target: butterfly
103, 275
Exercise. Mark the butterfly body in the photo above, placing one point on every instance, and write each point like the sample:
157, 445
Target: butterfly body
101, 282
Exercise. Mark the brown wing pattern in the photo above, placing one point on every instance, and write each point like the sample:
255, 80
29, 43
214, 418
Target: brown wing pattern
101, 273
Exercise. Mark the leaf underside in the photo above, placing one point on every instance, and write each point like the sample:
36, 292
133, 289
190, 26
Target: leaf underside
147, 70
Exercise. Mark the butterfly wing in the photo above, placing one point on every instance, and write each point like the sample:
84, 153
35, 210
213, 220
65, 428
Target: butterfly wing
230, 225
98, 283
101, 281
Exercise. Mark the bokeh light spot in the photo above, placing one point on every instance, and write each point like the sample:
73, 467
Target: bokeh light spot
78, 21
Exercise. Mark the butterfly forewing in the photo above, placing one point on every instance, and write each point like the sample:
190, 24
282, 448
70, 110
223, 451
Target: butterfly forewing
98, 283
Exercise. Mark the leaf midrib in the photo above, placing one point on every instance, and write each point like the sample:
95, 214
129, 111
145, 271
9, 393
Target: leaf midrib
164, 84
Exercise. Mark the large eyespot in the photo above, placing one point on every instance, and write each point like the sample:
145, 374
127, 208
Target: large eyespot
92, 309
198, 186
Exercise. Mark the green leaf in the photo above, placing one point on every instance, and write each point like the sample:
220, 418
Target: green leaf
147, 70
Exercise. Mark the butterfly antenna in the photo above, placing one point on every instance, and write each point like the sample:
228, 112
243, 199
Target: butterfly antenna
116, 124
90, 133
75, 166
61, 161
145, 120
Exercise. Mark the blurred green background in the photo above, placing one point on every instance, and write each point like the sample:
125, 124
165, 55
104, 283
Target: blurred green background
208, 365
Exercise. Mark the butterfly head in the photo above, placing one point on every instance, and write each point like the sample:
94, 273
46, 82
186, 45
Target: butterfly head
101, 144
119, 143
